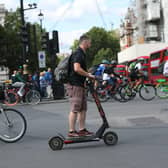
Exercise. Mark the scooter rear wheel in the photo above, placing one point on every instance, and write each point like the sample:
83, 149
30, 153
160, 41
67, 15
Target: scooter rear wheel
56, 143
110, 138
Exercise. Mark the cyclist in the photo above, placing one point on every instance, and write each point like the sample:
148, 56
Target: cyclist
136, 74
19, 81
100, 70
110, 76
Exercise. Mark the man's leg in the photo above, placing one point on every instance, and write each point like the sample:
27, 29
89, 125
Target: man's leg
72, 121
71, 90
81, 119
82, 116
21, 89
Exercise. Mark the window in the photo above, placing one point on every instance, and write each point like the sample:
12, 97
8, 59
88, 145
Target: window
120, 69
155, 72
165, 53
155, 56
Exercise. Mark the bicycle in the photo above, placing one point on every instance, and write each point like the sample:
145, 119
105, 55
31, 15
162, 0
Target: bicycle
146, 92
13, 124
162, 88
30, 95
107, 91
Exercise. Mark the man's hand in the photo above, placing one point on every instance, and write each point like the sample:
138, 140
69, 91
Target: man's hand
90, 76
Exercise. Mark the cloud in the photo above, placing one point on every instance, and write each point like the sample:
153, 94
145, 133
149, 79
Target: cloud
10, 4
66, 39
73, 17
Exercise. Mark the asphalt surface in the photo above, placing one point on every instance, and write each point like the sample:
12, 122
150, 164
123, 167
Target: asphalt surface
142, 128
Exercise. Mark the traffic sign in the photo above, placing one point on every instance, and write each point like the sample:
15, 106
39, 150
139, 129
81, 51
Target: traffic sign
42, 59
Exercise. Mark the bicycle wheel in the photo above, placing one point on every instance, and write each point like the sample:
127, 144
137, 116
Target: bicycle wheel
117, 96
12, 125
33, 97
127, 93
11, 98
102, 95
147, 92
162, 91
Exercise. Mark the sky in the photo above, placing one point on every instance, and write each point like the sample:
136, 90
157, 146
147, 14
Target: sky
72, 18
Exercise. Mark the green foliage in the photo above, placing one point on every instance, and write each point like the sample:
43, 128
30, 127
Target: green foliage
103, 54
75, 45
10, 42
10, 47
104, 44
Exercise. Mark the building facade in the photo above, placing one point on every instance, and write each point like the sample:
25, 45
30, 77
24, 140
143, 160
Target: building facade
145, 22
2, 14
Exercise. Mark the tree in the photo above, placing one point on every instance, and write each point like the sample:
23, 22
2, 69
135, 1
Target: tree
103, 54
2, 46
75, 45
10, 42
103, 43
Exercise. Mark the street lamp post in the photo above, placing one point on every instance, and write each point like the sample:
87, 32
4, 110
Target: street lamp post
41, 18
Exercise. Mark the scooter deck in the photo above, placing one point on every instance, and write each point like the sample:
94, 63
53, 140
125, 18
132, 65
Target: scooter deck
81, 138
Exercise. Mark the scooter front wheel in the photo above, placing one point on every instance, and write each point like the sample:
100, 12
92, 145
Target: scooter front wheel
110, 138
56, 143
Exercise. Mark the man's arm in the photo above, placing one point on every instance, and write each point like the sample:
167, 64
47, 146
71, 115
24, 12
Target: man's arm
78, 69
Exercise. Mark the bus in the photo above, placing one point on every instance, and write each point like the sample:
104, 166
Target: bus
157, 59
121, 70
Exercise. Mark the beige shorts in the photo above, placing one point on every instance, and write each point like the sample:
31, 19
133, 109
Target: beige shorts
77, 98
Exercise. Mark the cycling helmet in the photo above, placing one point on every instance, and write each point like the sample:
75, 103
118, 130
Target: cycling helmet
113, 62
105, 62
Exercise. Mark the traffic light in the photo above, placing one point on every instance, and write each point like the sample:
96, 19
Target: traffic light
24, 34
55, 41
45, 41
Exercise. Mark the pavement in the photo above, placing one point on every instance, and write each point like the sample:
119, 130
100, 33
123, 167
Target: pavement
51, 100
136, 113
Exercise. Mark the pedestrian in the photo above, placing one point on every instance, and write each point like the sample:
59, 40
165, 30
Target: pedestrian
36, 81
43, 84
13, 76
76, 89
26, 73
48, 77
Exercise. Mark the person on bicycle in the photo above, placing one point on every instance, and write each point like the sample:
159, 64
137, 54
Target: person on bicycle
101, 68
136, 74
19, 81
100, 71
110, 76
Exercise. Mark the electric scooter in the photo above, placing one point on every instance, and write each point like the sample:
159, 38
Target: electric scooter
109, 137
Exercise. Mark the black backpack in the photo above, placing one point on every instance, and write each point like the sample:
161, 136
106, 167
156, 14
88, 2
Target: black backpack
61, 72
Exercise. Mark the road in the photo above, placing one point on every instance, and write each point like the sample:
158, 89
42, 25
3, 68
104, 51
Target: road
142, 128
